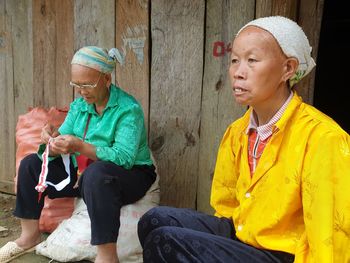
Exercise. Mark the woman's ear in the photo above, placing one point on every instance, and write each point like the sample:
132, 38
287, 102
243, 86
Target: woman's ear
108, 78
290, 67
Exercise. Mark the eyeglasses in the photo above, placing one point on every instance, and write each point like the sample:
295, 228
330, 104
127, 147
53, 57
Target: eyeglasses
85, 86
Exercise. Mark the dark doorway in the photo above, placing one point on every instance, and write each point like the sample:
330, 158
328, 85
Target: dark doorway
332, 88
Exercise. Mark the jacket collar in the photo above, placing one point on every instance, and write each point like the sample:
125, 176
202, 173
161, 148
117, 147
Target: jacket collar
295, 102
273, 147
266, 130
292, 107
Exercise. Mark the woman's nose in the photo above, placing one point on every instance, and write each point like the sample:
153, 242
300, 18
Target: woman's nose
240, 71
82, 91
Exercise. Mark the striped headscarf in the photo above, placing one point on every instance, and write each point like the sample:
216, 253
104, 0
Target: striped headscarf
97, 58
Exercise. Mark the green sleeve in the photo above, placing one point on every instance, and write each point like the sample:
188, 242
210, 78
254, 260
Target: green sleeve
127, 139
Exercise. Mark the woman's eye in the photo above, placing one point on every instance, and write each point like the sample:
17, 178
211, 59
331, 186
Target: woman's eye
252, 60
234, 61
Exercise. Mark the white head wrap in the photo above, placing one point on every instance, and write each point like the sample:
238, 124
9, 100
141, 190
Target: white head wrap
292, 41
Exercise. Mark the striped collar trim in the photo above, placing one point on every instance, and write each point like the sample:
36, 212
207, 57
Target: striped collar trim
266, 130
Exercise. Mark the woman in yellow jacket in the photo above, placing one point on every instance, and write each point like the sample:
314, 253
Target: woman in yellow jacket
282, 178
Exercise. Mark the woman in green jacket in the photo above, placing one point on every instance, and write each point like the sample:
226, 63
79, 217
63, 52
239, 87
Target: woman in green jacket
105, 136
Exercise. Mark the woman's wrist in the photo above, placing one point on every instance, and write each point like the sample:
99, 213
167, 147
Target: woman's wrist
78, 146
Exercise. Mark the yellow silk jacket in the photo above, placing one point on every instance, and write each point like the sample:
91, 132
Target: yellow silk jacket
298, 200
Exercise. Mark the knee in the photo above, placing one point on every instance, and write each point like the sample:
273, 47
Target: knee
154, 218
96, 183
94, 176
163, 241
144, 226
28, 165
28, 162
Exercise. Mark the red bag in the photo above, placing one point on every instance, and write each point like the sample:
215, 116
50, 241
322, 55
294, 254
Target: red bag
28, 130
82, 162
28, 133
54, 212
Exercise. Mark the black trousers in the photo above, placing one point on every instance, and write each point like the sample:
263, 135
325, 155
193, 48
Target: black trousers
104, 186
185, 235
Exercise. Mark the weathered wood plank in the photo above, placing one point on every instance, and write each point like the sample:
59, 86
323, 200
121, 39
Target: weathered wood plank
263, 8
52, 51
287, 8
22, 53
6, 102
64, 51
132, 30
43, 52
15, 78
177, 28
224, 19
94, 24
310, 19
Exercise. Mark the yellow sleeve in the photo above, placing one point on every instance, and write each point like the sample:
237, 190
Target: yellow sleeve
326, 199
223, 187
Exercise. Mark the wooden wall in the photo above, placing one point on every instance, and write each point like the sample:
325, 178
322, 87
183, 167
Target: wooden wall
176, 55
16, 78
223, 20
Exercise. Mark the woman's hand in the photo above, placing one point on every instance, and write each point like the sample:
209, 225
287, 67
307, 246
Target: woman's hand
48, 131
64, 144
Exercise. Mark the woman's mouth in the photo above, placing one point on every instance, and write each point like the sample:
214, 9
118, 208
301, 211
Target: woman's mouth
238, 90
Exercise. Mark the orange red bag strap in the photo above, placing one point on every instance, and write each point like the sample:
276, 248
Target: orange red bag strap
87, 126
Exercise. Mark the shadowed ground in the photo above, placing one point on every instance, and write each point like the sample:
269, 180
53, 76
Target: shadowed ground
7, 204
